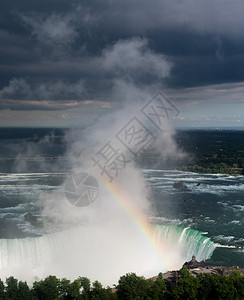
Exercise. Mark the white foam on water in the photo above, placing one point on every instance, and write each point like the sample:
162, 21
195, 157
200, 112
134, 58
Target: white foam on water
81, 251
239, 207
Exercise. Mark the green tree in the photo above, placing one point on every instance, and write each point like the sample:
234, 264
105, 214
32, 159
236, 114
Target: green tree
186, 287
160, 282
11, 288
226, 289
156, 288
204, 286
64, 287
47, 289
111, 295
98, 292
215, 286
238, 282
74, 290
23, 291
132, 287
85, 287
2, 288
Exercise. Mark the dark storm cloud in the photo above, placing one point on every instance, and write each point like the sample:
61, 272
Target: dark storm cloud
80, 49
22, 89
220, 17
129, 60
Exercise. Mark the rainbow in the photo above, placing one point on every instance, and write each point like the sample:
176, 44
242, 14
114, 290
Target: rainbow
138, 218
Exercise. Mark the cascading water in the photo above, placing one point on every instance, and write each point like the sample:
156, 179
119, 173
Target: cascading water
83, 252
185, 241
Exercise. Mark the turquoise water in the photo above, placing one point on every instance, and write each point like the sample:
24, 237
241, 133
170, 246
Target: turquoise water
212, 204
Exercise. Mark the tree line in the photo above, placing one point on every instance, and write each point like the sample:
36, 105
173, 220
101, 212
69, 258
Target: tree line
212, 151
130, 286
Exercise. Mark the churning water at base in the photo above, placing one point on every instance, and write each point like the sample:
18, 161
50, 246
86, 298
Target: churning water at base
82, 251
212, 204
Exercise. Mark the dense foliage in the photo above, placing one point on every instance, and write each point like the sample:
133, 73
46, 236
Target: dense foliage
206, 151
213, 151
130, 286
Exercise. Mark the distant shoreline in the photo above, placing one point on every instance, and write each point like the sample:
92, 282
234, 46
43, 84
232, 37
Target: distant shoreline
203, 170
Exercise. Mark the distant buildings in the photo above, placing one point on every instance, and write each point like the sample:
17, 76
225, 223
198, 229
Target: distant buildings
171, 277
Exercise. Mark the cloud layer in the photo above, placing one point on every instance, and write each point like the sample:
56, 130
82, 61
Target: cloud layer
83, 50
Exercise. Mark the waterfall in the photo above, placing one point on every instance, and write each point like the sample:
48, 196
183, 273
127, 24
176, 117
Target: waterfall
186, 241
99, 253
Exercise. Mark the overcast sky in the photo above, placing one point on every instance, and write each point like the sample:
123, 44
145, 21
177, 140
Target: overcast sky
64, 63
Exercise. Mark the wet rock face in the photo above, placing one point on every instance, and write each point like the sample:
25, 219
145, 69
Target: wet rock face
33, 220
180, 185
